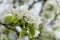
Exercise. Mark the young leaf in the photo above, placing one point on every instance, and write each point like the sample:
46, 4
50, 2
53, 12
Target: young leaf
31, 31
23, 22
11, 19
22, 33
8, 38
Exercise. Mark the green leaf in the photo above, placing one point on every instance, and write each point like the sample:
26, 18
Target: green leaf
18, 23
8, 38
15, 24
23, 22
11, 19
22, 33
10, 31
31, 31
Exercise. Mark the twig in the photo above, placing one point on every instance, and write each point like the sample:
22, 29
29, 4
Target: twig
9, 27
40, 15
42, 6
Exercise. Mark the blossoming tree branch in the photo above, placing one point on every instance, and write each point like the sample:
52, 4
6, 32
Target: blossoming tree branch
30, 20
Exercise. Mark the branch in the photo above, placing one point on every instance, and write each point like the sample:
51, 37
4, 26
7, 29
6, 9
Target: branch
42, 6
44, 1
9, 27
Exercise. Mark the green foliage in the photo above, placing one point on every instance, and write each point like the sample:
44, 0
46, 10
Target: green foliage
23, 22
8, 38
31, 31
6, 31
22, 33
14, 21
11, 19
15, 24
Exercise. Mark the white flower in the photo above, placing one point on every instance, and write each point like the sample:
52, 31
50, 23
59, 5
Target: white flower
21, 12
57, 34
36, 33
47, 16
50, 5
48, 28
50, 9
4, 14
29, 17
57, 24
58, 18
